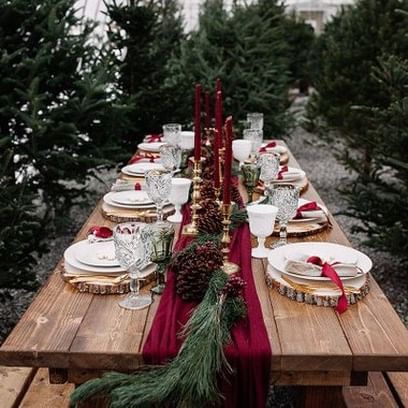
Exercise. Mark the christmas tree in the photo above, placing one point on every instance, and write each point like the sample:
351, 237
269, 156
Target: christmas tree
246, 49
349, 49
379, 199
58, 119
144, 35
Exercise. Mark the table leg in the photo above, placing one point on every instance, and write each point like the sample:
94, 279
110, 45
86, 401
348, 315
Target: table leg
58, 375
321, 397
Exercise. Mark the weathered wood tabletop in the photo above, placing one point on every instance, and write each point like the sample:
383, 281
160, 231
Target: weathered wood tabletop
75, 333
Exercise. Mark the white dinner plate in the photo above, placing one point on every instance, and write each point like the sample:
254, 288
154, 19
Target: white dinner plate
153, 147
70, 257
76, 272
293, 174
139, 169
108, 200
97, 254
131, 197
326, 250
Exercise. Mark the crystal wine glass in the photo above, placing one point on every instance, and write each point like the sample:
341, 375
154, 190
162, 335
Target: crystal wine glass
286, 198
269, 165
170, 157
256, 137
158, 186
255, 120
172, 133
132, 250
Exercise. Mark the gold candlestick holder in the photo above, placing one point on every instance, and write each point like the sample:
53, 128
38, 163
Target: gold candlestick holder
191, 229
228, 267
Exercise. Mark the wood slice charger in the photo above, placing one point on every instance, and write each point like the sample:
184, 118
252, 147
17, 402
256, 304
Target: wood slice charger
118, 215
321, 293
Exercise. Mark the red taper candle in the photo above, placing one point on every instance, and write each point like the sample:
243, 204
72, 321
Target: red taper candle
197, 124
228, 161
217, 139
207, 109
218, 86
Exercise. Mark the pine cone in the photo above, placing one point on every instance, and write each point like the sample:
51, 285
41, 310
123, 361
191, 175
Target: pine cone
194, 268
236, 196
210, 217
207, 190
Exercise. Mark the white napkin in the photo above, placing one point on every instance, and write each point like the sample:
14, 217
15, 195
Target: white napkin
123, 185
296, 263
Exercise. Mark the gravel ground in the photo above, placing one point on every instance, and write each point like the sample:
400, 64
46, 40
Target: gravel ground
323, 171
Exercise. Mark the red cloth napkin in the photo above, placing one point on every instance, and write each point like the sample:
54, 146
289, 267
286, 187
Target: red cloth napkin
138, 186
329, 272
100, 232
153, 138
269, 145
312, 206
249, 352
284, 169
136, 158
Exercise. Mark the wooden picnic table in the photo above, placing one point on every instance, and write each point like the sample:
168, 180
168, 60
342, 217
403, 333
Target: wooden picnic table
79, 335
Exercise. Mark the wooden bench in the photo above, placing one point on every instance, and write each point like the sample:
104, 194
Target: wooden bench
30, 388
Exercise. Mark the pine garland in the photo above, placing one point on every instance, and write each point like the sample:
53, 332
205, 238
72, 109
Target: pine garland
190, 379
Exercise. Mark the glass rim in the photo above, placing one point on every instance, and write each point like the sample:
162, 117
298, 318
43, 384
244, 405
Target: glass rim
256, 114
171, 125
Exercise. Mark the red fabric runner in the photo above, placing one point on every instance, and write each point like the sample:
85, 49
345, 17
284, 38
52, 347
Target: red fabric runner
249, 353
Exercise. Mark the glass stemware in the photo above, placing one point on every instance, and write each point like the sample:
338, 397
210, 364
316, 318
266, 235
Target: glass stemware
172, 133
170, 157
256, 137
241, 150
269, 165
250, 172
286, 198
180, 188
162, 236
255, 120
132, 250
261, 218
158, 186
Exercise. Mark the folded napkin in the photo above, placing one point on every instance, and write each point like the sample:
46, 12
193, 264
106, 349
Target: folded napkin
137, 158
284, 169
309, 210
99, 234
305, 265
123, 185
153, 138
268, 146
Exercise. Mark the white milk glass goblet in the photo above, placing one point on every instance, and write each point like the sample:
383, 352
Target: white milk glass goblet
286, 198
158, 186
132, 250
261, 219
255, 120
180, 188
256, 137
241, 150
172, 133
269, 165
170, 157
187, 140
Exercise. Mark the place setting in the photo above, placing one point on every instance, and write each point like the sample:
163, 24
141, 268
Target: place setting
140, 202
92, 265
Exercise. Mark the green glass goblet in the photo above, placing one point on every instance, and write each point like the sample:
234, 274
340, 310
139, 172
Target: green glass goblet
251, 173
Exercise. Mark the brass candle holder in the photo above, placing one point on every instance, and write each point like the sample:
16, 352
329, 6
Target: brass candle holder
228, 267
191, 229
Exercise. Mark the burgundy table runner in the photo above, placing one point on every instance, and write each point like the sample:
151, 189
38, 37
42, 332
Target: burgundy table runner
249, 353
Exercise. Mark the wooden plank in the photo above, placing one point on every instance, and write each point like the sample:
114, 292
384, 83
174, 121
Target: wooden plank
321, 397
45, 332
376, 334
399, 383
42, 394
375, 395
312, 378
14, 382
